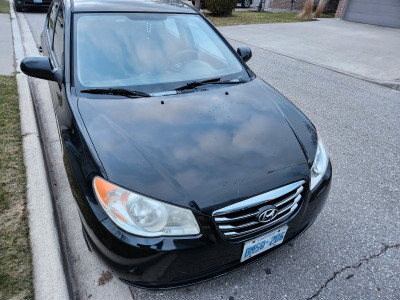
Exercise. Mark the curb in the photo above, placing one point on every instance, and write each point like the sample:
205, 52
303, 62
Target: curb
49, 278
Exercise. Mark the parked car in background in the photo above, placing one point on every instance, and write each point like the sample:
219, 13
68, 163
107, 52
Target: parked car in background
184, 164
243, 3
22, 4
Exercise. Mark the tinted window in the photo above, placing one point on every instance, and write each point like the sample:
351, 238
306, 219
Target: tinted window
52, 20
150, 49
59, 37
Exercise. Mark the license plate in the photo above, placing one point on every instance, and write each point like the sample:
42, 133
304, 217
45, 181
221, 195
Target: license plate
37, 1
263, 243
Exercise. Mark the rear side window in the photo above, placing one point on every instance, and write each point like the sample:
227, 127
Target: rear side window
59, 37
52, 20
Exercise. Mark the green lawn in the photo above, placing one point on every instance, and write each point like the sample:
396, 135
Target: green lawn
15, 252
4, 7
248, 17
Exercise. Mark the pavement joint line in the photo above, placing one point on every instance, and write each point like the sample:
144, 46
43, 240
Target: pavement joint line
354, 266
388, 84
48, 273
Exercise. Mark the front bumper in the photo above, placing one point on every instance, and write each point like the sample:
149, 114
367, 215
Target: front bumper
162, 263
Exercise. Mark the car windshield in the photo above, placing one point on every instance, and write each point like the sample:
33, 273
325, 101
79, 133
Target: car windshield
150, 52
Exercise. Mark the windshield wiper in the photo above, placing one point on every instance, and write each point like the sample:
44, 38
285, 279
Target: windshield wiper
118, 92
194, 84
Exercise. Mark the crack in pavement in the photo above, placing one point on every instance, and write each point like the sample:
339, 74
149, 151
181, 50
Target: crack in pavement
355, 266
29, 133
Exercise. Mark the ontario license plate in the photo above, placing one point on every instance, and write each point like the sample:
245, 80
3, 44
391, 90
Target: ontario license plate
37, 1
263, 243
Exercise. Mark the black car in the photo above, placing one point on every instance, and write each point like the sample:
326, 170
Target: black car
21, 4
243, 3
184, 164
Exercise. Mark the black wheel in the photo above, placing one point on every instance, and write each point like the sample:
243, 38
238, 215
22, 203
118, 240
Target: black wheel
246, 3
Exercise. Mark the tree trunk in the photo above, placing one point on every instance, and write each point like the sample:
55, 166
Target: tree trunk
320, 8
307, 11
197, 4
261, 5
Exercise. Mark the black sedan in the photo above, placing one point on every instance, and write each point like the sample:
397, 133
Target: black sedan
184, 164
22, 4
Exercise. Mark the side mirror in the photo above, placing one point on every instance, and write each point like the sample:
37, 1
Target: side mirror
245, 53
40, 67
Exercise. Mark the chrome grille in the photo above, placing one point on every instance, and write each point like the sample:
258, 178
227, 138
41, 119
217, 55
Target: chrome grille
240, 219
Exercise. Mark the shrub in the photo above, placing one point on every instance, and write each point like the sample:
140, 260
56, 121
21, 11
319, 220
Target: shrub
220, 7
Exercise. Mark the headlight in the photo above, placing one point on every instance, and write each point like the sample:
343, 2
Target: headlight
143, 216
320, 164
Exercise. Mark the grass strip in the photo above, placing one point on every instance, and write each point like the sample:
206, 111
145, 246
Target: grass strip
249, 17
15, 253
4, 7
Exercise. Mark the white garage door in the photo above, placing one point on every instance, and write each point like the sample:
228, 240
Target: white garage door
377, 12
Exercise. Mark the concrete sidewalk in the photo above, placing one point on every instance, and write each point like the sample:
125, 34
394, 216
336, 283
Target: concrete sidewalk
365, 51
6, 42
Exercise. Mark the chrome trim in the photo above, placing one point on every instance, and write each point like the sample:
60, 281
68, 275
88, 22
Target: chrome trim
230, 227
290, 206
254, 201
299, 190
233, 233
223, 219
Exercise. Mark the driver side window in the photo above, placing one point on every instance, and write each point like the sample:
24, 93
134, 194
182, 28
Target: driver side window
58, 44
52, 21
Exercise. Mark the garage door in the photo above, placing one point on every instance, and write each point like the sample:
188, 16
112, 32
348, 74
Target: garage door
377, 12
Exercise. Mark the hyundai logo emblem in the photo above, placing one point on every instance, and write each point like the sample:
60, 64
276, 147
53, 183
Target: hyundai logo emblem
267, 215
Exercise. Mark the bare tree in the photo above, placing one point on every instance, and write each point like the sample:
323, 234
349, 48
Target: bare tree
320, 8
261, 6
307, 11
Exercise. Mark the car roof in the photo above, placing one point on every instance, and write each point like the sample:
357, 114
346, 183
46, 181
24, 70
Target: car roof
164, 6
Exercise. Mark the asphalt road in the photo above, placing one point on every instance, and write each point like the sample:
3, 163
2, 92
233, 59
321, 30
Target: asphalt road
353, 249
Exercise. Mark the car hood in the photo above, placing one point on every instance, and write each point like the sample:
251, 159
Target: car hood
202, 150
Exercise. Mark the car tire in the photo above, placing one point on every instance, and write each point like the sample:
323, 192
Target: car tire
246, 3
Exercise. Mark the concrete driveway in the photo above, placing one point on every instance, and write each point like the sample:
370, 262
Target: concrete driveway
365, 51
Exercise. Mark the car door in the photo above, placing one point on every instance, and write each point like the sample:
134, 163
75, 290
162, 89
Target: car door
53, 40
56, 52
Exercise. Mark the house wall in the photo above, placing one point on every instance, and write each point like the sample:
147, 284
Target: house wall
285, 4
340, 9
